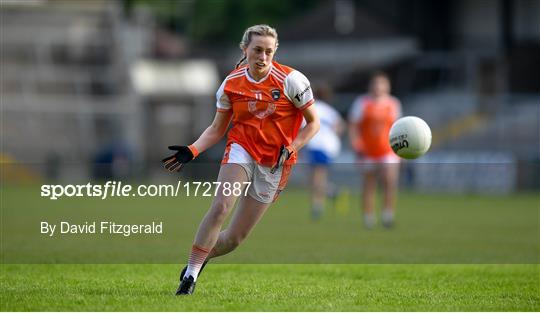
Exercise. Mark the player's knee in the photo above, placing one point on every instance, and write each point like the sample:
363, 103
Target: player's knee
220, 209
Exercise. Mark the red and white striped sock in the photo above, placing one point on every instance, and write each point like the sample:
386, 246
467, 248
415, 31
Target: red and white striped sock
196, 259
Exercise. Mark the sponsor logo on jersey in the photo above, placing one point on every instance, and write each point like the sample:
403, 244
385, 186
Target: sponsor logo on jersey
299, 96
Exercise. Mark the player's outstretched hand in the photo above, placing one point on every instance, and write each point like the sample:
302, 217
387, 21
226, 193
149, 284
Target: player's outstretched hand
284, 154
176, 161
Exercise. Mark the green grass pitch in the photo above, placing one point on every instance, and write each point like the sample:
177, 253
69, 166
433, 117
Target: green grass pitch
447, 253
127, 287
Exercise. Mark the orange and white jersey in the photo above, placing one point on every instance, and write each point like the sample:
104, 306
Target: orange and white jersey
373, 120
266, 113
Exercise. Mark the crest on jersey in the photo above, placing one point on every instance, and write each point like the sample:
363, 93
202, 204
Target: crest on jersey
275, 94
261, 109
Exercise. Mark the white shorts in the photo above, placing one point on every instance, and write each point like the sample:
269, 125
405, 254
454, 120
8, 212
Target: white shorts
369, 164
265, 187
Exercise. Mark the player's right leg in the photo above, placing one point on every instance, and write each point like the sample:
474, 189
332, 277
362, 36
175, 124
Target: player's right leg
223, 202
210, 226
319, 161
247, 214
389, 180
319, 179
264, 190
369, 190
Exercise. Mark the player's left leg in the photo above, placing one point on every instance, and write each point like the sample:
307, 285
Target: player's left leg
369, 190
264, 190
247, 214
319, 182
209, 229
390, 178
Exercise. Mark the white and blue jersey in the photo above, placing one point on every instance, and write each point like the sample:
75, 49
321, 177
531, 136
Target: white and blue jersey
325, 145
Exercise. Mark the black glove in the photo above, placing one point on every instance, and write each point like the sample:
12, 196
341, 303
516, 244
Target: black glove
177, 160
284, 154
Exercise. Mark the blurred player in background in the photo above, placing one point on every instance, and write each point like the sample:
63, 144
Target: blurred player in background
266, 102
370, 119
323, 147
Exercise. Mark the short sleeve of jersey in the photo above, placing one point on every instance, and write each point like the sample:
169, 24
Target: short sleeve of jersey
355, 113
223, 102
298, 90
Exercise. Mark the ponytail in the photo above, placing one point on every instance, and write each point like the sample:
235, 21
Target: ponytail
240, 62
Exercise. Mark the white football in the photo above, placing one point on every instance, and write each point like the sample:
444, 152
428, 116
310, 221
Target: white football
410, 137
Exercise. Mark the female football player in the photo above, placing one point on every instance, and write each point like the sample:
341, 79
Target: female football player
370, 120
266, 102
323, 148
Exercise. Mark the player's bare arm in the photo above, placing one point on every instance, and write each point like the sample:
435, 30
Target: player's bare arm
311, 128
353, 134
214, 132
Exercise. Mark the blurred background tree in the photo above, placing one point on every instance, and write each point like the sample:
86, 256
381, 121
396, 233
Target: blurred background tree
218, 21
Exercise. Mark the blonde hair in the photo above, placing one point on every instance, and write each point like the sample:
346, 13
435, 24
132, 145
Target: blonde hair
257, 30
